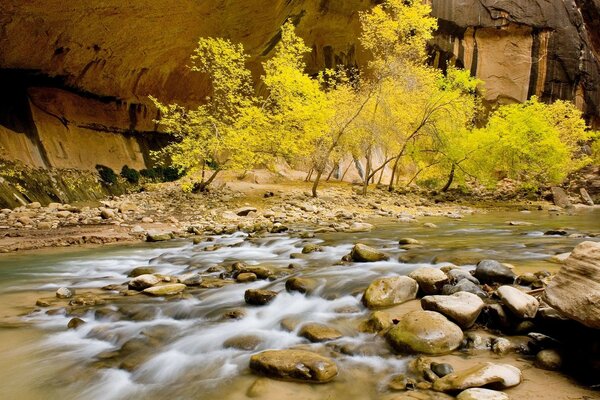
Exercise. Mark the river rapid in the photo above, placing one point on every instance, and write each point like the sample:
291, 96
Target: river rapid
134, 347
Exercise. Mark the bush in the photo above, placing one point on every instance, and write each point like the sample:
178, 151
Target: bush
107, 175
130, 174
161, 174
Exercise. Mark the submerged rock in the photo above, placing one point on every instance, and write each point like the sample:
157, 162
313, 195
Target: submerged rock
491, 271
520, 304
319, 332
387, 292
430, 280
482, 374
425, 332
259, 297
243, 342
462, 307
142, 282
297, 365
141, 271
363, 253
575, 290
302, 285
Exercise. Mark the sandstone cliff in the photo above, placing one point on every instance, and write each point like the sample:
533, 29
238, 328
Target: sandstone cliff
75, 76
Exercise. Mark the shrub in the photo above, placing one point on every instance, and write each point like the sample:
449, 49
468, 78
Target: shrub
130, 174
107, 175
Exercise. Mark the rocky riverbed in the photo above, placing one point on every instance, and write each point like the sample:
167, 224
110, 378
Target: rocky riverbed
437, 308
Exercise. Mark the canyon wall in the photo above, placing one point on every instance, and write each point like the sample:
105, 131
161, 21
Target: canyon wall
75, 76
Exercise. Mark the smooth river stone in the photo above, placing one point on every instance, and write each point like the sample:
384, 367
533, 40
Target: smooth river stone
520, 304
363, 253
319, 332
491, 271
387, 292
481, 394
482, 374
462, 307
297, 365
425, 332
430, 280
165, 290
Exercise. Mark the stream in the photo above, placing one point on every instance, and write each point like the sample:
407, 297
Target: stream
135, 347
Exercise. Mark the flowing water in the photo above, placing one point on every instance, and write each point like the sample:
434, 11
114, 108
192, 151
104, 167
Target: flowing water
140, 347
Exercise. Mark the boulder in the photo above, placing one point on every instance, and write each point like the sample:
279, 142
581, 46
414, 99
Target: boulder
302, 285
482, 374
297, 365
141, 271
75, 323
464, 285
430, 280
165, 290
575, 290
64, 293
585, 197
457, 275
378, 321
245, 277
363, 253
142, 282
520, 304
311, 248
462, 307
481, 394
259, 297
425, 332
491, 271
319, 332
158, 236
548, 359
357, 227
191, 279
244, 211
560, 198
243, 342
387, 292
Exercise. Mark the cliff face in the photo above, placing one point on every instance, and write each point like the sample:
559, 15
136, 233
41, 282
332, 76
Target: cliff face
75, 77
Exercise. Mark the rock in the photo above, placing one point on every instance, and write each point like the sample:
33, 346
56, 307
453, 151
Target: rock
158, 236
311, 248
75, 323
502, 346
141, 271
430, 225
401, 382
457, 274
64, 293
464, 285
243, 342
425, 332
107, 213
43, 303
491, 271
519, 223
44, 225
245, 277
191, 279
482, 374
585, 197
548, 359
34, 206
441, 369
302, 285
356, 227
319, 332
142, 282
165, 290
430, 280
387, 292
259, 297
462, 307
520, 304
244, 211
526, 279
297, 365
364, 253
560, 198
405, 241
481, 394
575, 290
378, 321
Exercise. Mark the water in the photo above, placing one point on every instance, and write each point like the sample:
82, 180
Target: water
140, 347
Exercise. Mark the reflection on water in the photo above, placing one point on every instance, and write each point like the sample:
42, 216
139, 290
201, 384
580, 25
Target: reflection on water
138, 347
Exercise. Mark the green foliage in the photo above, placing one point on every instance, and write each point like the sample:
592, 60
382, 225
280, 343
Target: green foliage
130, 174
161, 174
107, 175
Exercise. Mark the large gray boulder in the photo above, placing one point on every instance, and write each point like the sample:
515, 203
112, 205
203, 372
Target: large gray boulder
462, 307
297, 365
491, 271
575, 290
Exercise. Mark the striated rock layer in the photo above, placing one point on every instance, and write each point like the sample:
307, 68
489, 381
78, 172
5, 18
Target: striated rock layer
76, 77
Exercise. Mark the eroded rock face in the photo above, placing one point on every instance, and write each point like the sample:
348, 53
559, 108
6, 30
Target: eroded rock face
575, 290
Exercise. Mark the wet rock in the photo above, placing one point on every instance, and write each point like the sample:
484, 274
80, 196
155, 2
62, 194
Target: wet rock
158, 236
496, 316
142, 282
520, 304
259, 297
357, 227
457, 275
585, 197
165, 290
441, 369
260, 272
191, 279
319, 332
408, 241
526, 279
64, 293
311, 248
302, 285
401, 382
43, 303
464, 285
425, 332
575, 290
491, 271
237, 313
502, 346
245, 277
556, 232
387, 292
560, 198
298, 365
418, 394
243, 342
481, 394
378, 321
462, 307
430, 280
548, 359
75, 323
141, 271
363, 253
482, 374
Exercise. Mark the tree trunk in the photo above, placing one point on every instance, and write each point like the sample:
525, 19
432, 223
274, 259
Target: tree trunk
367, 177
202, 186
450, 179
316, 182
309, 175
394, 172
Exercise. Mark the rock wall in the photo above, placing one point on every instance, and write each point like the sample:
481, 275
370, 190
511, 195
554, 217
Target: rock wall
84, 69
